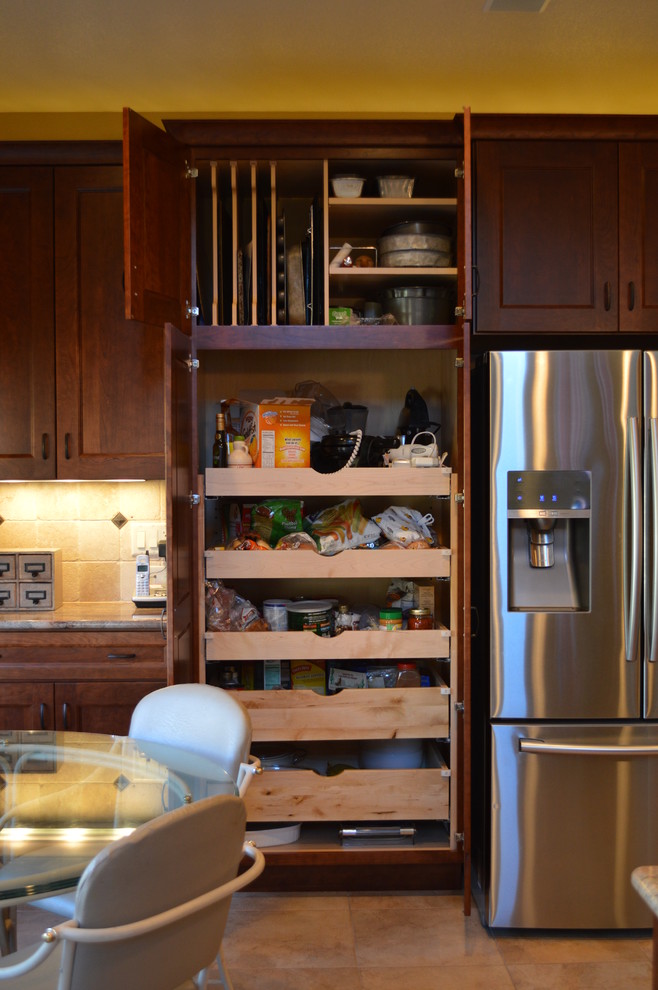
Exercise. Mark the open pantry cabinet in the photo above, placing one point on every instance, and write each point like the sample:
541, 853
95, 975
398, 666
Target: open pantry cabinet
248, 177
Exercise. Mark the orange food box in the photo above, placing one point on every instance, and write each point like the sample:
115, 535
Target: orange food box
278, 431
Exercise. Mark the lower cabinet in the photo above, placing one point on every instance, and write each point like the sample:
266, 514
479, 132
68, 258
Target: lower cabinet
84, 682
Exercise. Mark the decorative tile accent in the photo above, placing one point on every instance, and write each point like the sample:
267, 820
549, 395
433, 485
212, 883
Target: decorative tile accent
119, 520
121, 783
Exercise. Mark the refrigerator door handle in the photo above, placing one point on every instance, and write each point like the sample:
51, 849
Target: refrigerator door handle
652, 645
584, 749
633, 513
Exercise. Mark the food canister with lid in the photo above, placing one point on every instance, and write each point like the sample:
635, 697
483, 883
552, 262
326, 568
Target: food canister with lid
316, 616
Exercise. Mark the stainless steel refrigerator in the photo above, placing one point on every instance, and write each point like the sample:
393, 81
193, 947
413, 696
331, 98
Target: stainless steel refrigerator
568, 537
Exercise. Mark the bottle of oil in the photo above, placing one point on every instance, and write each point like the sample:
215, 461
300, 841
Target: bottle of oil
219, 447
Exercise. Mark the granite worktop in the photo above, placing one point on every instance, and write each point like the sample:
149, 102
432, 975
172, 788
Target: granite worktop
91, 616
645, 881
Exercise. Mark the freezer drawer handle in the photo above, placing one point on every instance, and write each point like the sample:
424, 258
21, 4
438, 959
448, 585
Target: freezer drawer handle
584, 749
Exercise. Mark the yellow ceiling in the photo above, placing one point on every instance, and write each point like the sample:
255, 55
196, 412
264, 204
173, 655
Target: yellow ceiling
69, 66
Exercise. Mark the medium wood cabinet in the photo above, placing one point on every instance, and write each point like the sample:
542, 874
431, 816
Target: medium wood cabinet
87, 682
374, 364
81, 388
566, 237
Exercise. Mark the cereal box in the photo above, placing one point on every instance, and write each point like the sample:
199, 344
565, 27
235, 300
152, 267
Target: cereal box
278, 431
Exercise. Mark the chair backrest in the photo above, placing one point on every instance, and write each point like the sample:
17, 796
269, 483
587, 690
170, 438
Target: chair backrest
199, 718
162, 864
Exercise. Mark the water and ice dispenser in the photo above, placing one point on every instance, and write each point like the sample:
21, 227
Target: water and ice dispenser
548, 517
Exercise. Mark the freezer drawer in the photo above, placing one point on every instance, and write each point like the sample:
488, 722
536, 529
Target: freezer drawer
573, 812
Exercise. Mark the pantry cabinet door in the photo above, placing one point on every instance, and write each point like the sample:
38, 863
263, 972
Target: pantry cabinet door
158, 197
638, 236
183, 553
27, 366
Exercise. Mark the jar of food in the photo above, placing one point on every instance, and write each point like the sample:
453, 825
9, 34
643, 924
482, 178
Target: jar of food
420, 618
343, 619
390, 619
408, 675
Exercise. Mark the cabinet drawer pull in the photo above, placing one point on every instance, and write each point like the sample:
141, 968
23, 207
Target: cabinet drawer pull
607, 296
67, 446
631, 296
121, 656
45, 446
42, 716
65, 715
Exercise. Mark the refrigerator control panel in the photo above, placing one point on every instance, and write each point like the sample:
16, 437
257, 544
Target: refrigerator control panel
554, 494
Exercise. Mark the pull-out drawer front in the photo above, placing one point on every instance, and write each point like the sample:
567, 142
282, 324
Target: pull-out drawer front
35, 595
370, 713
8, 595
35, 566
7, 566
352, 795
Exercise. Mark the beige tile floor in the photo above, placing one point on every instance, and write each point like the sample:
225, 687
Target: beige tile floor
402, 942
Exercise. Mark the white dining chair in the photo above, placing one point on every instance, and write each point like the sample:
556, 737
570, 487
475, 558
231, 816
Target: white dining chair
198, 720
150, 908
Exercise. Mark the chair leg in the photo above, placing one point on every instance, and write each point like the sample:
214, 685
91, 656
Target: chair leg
224, 978
8, 931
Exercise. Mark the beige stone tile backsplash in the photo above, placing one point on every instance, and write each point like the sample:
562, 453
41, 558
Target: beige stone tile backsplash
77, 518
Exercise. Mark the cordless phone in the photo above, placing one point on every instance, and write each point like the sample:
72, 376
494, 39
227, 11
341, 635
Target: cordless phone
142, 575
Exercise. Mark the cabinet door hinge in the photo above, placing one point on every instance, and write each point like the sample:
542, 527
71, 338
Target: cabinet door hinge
194, 499
192, 364
459, 707
459, 837
459, 172
459, 362
191, 310
459, 498
191, 172
459, 310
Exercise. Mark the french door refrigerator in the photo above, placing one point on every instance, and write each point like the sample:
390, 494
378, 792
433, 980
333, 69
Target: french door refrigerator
568, 537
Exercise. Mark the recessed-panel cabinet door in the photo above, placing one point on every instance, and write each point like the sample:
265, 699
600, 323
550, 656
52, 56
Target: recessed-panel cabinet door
546, 236
101, 706
27, 366
110, 380
157, 221
638, 236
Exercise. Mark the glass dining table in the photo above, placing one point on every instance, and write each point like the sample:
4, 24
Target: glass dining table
66, 795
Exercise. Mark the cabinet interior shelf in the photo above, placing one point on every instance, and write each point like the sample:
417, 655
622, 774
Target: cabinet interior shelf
350, 482
355, 645
281, 337
233, 565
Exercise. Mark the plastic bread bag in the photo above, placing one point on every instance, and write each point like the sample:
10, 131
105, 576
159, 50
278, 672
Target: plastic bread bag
341, 527
275, 517
404, 526
226, 611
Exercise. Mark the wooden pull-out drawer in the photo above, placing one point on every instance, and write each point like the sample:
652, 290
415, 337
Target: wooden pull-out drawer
352, 795
371, 713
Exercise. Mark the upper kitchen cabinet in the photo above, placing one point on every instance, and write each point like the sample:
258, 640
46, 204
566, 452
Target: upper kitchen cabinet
545, 236
27, 379
638, 235
565, 236
81, 388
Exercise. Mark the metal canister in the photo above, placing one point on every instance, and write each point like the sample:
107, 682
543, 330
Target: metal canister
316, 616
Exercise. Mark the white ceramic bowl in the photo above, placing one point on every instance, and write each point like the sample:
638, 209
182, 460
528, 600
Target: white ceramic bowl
347, 186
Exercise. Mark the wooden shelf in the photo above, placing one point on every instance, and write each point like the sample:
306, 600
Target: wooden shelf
351, 482
418, 644
373, 713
